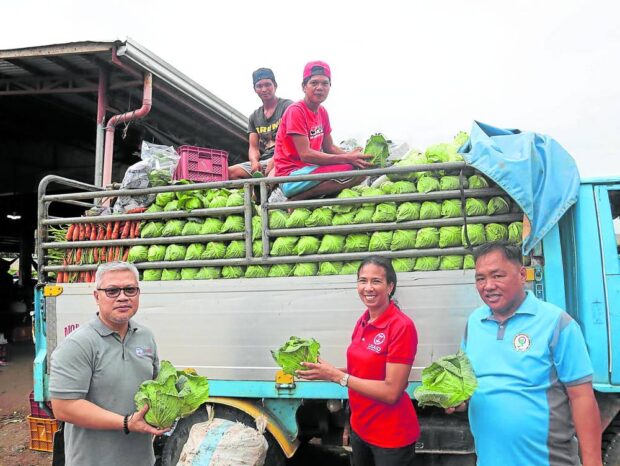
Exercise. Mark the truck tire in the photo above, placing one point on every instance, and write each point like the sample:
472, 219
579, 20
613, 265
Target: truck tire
611, 444
174, 445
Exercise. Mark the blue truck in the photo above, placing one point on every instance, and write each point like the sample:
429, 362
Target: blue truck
224, 329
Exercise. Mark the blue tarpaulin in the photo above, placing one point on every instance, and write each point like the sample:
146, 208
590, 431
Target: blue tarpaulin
532, 168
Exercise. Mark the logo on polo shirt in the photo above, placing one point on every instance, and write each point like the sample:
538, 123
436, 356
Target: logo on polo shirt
522, 342
379, 338
143, 351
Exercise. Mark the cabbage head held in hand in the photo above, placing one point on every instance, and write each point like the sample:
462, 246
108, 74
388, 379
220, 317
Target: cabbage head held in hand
295, 351
447, 382
173, 394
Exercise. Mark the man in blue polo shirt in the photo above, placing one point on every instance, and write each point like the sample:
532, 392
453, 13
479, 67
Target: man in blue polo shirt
534, 374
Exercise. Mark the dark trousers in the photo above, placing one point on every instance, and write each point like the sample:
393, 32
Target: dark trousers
365, 454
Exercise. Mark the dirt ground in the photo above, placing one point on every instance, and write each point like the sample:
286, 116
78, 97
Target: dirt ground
15, 387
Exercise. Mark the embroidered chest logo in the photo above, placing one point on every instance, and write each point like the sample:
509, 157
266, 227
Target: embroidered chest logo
522, 342
379, 338
141, 352
375, 345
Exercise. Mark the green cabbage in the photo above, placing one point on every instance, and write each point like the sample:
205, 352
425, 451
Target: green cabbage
173, 227
449, 237
350, 268
284, 246
138, 254
387, 187
305, 269
156, 252
460, 139
377, 146
368, 191
331, 244
308, 245
257, 271
192, 227
162, 199
408, 211
173, 394
447, 382
321, 217
497, 206
154, 208
235, 250
403, 264
281, 270
214, 250
151, 275
451, 208
233, 224
412, 158
257, 227
496, 232
232, 271
330, 268
438, 153
477, 182
451, 263
403, 239
234, 200
384, 212
257, 248
277, 219
427, 238
297, 218
403, 187
515, 233
194, 252
476, 234
209, 273
380, 241
430, 210
364, 214
218, 202
295, 351
152, 230
475, 207
189, 273
344, 219
356, 242
189, 202
211, 226
345, 194
468, 262
172, 206
175, 252
449, 183
171, 274
426, 184
426, 263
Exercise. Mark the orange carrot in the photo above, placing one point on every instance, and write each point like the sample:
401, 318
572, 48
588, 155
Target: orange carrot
117, 226
78, 256
110, 254
69, 236
101, 233
82, 231
108, 233
125, 254
136, 231
93, 232
87, 227
76, 232
126, 229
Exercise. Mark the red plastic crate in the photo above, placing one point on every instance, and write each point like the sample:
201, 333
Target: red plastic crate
201, 165
42, 433
36, 410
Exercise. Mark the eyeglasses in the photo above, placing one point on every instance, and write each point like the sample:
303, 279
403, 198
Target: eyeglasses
130, 291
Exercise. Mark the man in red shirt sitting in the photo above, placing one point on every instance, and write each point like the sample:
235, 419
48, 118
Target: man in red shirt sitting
304, 143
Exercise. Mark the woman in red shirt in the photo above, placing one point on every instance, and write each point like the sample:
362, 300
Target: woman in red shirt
384, 425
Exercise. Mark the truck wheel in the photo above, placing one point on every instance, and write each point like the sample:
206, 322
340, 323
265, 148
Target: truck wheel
611, 444
174, 445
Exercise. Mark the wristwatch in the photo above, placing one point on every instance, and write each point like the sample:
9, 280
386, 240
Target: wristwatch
344, 381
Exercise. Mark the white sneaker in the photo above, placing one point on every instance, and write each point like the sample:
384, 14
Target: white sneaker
277, 196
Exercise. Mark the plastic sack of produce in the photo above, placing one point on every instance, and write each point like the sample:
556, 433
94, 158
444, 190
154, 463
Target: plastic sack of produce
162, 162
225, 443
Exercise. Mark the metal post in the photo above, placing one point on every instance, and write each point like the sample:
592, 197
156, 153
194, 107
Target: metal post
102, 102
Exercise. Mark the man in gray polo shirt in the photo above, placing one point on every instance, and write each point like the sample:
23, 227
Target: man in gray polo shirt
96, 372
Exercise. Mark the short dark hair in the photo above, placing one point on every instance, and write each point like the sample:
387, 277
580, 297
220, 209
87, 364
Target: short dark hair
386, 264
509, 251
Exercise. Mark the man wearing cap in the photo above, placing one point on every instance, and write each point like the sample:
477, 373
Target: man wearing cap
304, 142
262, 128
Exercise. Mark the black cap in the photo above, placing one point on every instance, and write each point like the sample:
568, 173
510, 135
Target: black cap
263, 73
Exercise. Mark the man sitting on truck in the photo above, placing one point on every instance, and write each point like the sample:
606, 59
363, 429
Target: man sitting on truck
533, 369
262, 127
304, 142
96, 372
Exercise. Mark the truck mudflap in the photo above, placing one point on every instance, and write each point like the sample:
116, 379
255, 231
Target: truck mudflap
279, 416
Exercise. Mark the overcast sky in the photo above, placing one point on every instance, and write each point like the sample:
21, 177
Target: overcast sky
417, 71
